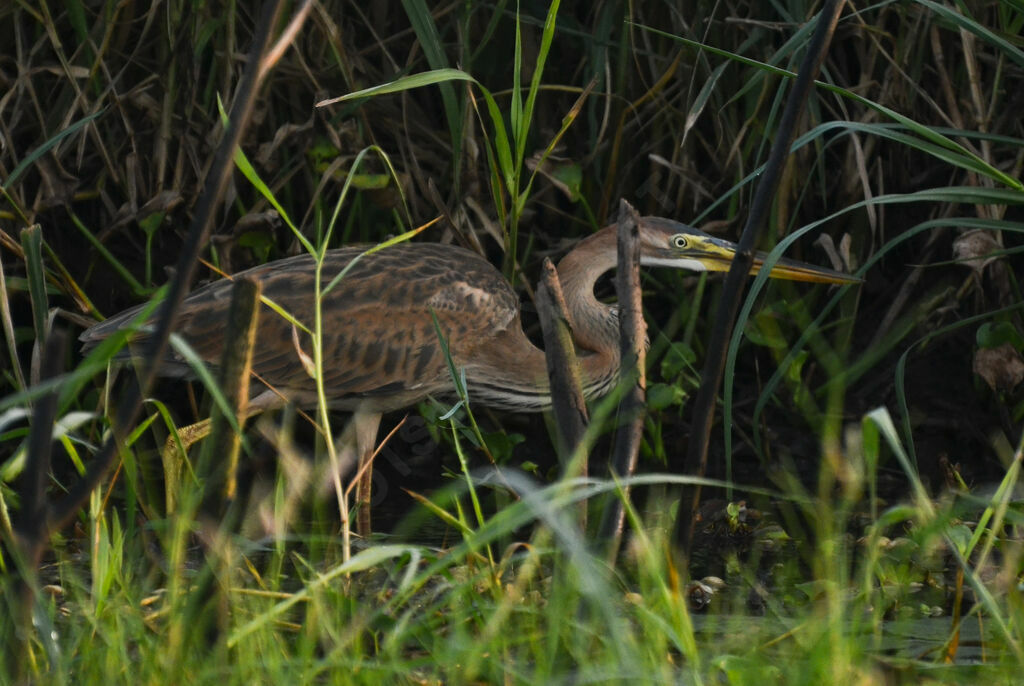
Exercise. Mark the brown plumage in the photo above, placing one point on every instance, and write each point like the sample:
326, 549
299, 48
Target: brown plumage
381, 349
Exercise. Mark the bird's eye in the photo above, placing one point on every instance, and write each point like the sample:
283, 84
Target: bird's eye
679, 241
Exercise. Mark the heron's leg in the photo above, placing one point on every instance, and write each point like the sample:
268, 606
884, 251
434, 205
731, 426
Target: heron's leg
365, 425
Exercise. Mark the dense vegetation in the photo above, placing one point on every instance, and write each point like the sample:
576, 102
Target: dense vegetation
866, 524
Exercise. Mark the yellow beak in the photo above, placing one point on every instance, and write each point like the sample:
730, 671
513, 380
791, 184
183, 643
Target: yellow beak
717, 255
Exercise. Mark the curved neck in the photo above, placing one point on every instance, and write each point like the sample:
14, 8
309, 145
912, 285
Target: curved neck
594, 324
514, 371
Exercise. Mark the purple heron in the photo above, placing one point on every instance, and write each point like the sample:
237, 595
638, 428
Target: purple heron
381, 348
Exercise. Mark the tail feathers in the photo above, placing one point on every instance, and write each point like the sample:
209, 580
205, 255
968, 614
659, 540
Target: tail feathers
98, 333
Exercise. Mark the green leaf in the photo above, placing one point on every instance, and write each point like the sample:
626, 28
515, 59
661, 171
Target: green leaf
501, 444
678, 358
993, 335
260, 242
530, 467
961, 535
794, 372
150, 223
427, 78
661, 396
763, 329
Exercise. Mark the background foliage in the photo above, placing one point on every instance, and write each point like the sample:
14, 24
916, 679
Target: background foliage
909, 173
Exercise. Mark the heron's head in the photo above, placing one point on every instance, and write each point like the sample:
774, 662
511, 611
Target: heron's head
666, 243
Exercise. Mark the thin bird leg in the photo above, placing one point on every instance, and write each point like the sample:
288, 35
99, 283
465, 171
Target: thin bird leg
361, 437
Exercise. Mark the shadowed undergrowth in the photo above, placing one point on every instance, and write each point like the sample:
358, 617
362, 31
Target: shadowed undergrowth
862, 517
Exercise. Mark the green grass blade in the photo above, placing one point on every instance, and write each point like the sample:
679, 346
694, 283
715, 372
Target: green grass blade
926, 132
122, 271
32, 244
430, 40
245, 166
516, 100
31, 158
1004, 46
879, 420
368, 559
427, 78
202, 372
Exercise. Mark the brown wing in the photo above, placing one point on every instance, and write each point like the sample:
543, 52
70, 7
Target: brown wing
380, 345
